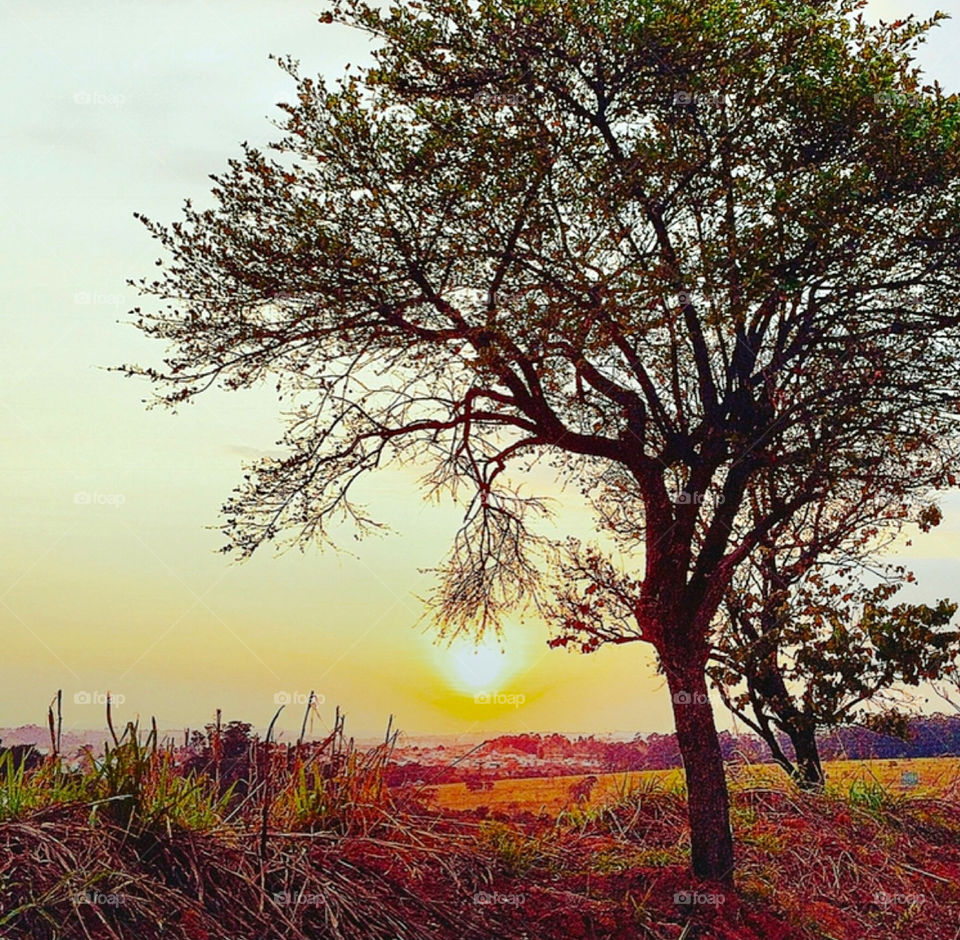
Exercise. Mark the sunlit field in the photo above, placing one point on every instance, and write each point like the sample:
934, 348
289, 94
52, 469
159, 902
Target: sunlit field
937, 777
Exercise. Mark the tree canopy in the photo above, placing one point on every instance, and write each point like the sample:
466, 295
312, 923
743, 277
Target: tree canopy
666, 245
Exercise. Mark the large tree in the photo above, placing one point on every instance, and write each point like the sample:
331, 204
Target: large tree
660, 241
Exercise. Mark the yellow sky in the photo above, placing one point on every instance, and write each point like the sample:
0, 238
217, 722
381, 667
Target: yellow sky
108, 578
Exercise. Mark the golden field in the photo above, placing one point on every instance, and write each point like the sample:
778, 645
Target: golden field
936, 777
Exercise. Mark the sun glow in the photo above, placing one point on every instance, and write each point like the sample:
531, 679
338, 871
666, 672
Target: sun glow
475, 668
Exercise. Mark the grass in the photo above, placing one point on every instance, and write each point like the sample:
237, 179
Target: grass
22, 792
131, 842
133, 783
253, 839
513, 851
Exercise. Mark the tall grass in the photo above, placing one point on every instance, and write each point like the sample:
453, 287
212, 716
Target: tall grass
333, 786
141, 786
330, 785
25, 791
229, 836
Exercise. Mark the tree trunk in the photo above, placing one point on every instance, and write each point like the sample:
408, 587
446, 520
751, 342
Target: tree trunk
769, 736
768, 682
809, 772
708, 808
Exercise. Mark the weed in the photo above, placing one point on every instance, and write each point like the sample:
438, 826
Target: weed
514, 851
872, 797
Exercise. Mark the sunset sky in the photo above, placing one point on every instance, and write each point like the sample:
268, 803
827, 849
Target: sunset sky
109, 572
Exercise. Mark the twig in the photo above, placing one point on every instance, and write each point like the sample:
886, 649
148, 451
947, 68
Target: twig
920, 871
266, 789
113, 734
53, 737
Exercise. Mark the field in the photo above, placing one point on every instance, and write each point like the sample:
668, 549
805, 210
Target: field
247, 841
935, 777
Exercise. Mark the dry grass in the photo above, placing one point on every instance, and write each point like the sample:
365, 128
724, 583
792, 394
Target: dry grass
312, 845
128, 844
62, 878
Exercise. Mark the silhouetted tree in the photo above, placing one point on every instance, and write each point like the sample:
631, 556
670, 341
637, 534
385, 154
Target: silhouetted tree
662, 245
813, 664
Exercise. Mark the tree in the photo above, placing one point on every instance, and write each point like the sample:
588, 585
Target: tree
803, 644
814, 665
659, 245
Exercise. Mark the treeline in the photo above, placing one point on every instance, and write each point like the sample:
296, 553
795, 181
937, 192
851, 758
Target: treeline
529, 755
936, 736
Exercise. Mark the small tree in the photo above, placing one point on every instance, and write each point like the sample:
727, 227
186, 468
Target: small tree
663, 241
805, 664
802, 643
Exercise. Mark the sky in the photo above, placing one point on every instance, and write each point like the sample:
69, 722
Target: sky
110, 578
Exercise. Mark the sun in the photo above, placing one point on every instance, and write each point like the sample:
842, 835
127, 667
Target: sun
471, 667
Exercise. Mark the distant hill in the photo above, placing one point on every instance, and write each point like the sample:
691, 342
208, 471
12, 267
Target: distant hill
35, 734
